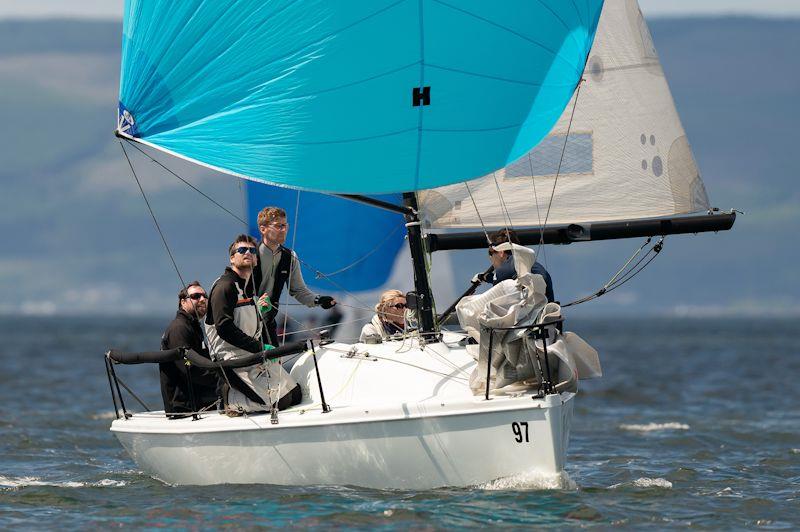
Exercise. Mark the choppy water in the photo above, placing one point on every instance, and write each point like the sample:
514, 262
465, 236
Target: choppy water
696, 424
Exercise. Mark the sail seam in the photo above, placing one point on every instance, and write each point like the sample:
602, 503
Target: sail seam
499, 78
321, 39
513, 32
421, 85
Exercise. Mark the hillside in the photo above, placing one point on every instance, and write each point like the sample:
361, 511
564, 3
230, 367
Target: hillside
77, 237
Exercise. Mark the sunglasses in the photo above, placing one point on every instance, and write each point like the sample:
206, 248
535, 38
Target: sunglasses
398, 305
197, 296
242, 250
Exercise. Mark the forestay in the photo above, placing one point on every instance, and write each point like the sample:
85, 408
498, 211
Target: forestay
626, 156
367, 96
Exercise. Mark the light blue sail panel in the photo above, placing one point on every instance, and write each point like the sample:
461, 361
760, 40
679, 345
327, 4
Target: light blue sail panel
344, 246
354, 96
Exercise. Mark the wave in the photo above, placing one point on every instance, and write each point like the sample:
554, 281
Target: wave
645, 482
103, 415
23, 482
532, 480
652, 427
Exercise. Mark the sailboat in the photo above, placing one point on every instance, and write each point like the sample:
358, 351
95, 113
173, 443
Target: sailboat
551, 117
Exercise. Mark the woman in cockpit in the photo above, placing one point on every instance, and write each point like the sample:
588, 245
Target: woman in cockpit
389, 317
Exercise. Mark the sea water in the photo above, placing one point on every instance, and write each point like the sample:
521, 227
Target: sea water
696, 423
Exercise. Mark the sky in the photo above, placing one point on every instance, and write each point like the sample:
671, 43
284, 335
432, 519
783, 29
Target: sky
105, 9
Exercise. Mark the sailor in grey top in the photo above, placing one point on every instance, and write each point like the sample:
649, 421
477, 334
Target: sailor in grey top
279, 266
268, 266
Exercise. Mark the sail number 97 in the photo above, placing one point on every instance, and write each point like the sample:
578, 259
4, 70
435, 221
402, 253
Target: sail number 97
520, 431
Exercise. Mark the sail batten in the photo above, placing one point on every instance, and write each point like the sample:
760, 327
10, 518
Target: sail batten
319, 95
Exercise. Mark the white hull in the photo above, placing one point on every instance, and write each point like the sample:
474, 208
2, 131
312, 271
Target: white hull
446, 437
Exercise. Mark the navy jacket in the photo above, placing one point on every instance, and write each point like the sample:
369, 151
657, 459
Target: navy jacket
507, 271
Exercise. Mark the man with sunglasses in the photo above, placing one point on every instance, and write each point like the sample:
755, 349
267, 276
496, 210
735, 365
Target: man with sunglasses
185, 331
278, 267
234, 330
503, 263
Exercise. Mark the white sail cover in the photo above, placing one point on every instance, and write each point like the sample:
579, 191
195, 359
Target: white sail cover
626, 155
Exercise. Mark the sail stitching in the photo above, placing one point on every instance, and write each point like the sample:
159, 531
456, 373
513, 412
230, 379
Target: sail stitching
513, 32
421, 85
498, 78
317, 41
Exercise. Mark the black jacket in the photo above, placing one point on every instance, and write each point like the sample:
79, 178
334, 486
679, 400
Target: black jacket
230, 305
184, 331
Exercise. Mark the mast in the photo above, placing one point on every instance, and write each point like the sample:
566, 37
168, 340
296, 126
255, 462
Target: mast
427, 323
422, 287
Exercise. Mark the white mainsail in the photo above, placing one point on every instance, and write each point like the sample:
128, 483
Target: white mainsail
626, 155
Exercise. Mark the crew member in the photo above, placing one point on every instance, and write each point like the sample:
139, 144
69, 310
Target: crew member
234, 330
503, 263
279, 267
185, 331
389, 317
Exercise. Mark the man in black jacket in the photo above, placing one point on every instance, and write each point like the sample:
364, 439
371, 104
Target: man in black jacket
185, 331
234, 331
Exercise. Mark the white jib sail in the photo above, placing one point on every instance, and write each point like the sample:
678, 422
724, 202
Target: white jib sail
626, 155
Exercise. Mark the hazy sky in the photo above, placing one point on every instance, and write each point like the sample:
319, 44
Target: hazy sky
113, 8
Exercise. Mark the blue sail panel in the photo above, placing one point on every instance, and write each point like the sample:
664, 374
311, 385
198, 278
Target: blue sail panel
363, 96
344, 246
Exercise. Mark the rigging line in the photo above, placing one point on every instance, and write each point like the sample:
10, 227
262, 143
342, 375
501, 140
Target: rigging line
209, 198
503, 206
631, 276
480, 219
538, 212
323, 327
291, 262
506, 215
610, 285
624, 266
618, 280
655, 250
560, 161
158, 227
152, 214
334, 283
376, 248
147, 408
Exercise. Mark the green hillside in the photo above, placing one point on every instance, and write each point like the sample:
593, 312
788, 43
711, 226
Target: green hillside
67, 188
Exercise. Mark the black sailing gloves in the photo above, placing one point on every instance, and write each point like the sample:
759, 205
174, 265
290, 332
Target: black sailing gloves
325, 302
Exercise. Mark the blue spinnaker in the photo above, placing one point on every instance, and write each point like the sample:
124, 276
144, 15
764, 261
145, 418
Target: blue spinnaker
356, 96
343, 246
